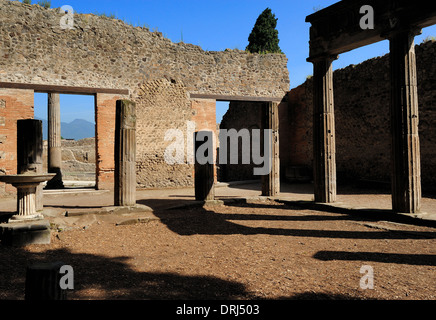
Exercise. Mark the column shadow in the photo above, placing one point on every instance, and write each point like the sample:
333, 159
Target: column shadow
195, 219
398, 258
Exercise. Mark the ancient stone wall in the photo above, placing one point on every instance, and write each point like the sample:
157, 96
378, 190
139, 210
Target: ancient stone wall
78, 159
363, 138
107, 53
362, 119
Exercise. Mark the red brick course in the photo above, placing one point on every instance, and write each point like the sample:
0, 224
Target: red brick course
15, 104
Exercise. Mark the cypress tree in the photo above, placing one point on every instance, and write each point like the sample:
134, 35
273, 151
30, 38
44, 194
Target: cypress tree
264, 37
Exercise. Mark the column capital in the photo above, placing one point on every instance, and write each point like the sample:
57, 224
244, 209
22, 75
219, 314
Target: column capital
409, 30
323, 57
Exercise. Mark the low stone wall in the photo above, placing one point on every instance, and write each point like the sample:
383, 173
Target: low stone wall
78, 159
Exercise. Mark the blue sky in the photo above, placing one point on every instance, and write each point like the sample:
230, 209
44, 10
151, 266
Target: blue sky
216, 25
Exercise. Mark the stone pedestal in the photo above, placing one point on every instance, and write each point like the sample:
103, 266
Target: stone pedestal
125, 154
54, 142
20, 234
26, 185
324, 148
29, 153
204, 167
406, 161
27, 226
270, 121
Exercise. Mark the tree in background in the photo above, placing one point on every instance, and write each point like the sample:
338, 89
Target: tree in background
264, 38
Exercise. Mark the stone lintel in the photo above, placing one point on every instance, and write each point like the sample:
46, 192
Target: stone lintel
336, 29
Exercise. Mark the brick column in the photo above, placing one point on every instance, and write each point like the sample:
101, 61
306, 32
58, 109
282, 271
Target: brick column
270, 121
54, 141
324, 131
104, 139
406, 166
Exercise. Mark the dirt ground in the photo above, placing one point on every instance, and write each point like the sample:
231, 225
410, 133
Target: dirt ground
256, 250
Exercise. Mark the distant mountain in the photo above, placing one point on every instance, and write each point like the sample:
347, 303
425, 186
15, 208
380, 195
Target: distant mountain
76, 130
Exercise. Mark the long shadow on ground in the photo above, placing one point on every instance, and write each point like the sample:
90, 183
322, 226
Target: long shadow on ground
113, 277
199, 220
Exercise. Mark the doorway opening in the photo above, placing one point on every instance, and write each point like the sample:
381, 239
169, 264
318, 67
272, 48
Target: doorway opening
78, 146
222, 107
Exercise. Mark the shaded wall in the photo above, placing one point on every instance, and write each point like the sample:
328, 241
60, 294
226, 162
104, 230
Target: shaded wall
362, 97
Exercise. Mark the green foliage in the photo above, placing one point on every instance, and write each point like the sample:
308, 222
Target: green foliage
105, 15
45, 3
429, 38
27, 1
264, 37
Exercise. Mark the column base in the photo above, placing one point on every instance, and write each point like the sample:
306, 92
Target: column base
28, 218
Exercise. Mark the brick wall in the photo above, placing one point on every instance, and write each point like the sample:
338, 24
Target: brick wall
14, 105
105, 112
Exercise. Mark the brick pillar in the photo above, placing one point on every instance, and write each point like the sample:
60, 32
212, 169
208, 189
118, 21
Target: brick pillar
54, 142
270, 120
406, 166
104, 139
324, 131
125, 154
204, 166
15, 104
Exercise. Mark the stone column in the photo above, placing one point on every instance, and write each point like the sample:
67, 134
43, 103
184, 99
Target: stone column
204, 166
54, 141
125, 153
406, 166
324, 131
29, 157
270, 120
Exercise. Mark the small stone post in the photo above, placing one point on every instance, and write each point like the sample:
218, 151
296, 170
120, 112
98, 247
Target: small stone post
204, 166
29, 155
125, 154
54, 141
43, 282
270, 120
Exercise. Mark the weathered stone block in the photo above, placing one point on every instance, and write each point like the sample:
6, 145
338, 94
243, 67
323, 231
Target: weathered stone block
22, 234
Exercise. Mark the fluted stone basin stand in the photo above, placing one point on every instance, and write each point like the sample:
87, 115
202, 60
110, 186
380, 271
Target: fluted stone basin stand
27, 226
26, 185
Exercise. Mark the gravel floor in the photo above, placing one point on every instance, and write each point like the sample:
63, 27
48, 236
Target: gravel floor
259, 250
